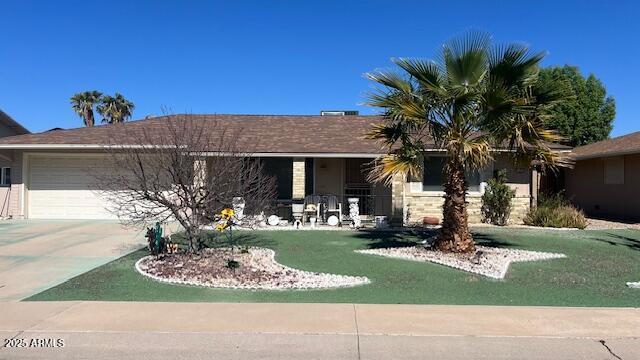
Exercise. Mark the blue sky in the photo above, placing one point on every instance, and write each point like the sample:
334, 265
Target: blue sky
279, 57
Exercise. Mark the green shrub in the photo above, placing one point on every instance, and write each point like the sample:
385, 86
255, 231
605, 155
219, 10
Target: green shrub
496, 200
555, 211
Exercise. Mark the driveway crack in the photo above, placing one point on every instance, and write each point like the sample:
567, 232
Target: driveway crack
604, 343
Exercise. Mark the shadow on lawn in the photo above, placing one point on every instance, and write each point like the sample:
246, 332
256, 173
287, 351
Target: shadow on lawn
614, 239
215, 239
377, 239
411, 237
490, 240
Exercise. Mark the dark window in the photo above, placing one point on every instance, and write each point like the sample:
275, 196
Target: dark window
5, 176
434, 176
309, 176
282, 169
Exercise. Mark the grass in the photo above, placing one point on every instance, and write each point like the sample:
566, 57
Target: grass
594, 273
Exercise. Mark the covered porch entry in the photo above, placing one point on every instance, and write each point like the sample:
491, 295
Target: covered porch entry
342, 177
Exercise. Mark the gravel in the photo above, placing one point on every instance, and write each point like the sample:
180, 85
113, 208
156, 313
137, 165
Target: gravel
598, 224
487, 261
257, 270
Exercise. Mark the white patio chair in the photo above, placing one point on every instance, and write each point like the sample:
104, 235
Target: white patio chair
333, 207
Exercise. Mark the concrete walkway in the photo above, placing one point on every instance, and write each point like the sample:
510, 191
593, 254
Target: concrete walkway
36, 255
110, 330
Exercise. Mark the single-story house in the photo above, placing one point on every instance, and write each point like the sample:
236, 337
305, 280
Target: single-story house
605, 181
8, 127
308, 155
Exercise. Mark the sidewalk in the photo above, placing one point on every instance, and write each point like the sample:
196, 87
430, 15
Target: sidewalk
104, 330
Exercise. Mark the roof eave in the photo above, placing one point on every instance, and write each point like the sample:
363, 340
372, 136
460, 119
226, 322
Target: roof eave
610, 154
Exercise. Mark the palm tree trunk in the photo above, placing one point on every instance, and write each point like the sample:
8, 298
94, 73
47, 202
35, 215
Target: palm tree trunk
89, 121
454, 235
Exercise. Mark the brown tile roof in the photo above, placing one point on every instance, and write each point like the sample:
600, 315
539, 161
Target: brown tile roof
621, 145
258, 133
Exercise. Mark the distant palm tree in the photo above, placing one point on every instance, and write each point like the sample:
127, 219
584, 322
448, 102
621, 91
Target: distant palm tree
83, 103
473, 99
115, 109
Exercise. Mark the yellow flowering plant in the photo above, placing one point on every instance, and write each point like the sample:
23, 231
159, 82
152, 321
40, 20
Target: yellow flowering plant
226, 222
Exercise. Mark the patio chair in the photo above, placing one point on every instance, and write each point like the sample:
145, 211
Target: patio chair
333, 207
311, 207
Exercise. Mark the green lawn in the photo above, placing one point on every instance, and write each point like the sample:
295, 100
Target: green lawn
594, 273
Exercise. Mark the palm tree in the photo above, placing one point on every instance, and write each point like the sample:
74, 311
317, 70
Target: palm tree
115, 109
83, 102
476, 97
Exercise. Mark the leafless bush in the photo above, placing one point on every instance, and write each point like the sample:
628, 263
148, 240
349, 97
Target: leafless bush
180, 168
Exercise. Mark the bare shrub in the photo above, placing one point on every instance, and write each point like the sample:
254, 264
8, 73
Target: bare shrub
182, 168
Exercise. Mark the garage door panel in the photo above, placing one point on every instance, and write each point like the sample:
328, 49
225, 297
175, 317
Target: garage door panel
63, 188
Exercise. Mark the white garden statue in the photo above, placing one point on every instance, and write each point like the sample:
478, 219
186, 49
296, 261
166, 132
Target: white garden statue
238, 207
354, 212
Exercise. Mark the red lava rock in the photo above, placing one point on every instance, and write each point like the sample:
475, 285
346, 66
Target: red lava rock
430, 220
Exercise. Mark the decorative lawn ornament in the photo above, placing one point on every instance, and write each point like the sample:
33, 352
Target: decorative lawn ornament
157, 243
227, 218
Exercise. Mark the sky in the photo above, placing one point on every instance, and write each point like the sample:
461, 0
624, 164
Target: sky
280, 57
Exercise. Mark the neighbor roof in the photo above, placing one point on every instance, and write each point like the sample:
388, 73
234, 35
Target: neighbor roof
258, 134
12, 124
621, 145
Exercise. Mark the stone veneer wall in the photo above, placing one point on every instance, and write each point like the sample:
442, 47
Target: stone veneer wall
421, 205
298, 178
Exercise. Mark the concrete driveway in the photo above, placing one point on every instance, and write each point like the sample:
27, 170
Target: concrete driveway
36, 255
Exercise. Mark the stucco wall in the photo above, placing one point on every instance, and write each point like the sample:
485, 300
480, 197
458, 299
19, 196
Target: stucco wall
586, 188
329, 176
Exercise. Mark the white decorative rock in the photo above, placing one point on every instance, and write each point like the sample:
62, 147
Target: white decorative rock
488, 261
634, 285
273, 220
333, 220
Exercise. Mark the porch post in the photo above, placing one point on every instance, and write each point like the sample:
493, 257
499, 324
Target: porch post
397, 200
298, 178
535, 187
200, 172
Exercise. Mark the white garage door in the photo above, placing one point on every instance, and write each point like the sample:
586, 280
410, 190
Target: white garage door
61, 188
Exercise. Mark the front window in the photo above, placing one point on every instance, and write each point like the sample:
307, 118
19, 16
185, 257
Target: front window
281, 168
434, 176
5, 176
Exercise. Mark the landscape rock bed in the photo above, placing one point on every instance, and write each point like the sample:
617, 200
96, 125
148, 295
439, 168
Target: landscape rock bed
487, 261
258, 270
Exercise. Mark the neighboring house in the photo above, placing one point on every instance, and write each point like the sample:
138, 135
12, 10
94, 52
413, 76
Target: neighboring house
8, 127
605, 181
308, 155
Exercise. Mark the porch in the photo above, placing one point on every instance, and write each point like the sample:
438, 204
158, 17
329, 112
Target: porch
325, 178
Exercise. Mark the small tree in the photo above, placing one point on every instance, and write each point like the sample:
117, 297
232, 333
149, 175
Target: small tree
587, 116
180, 168
496, 200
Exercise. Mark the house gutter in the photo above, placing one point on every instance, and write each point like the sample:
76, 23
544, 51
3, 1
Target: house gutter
604, 155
